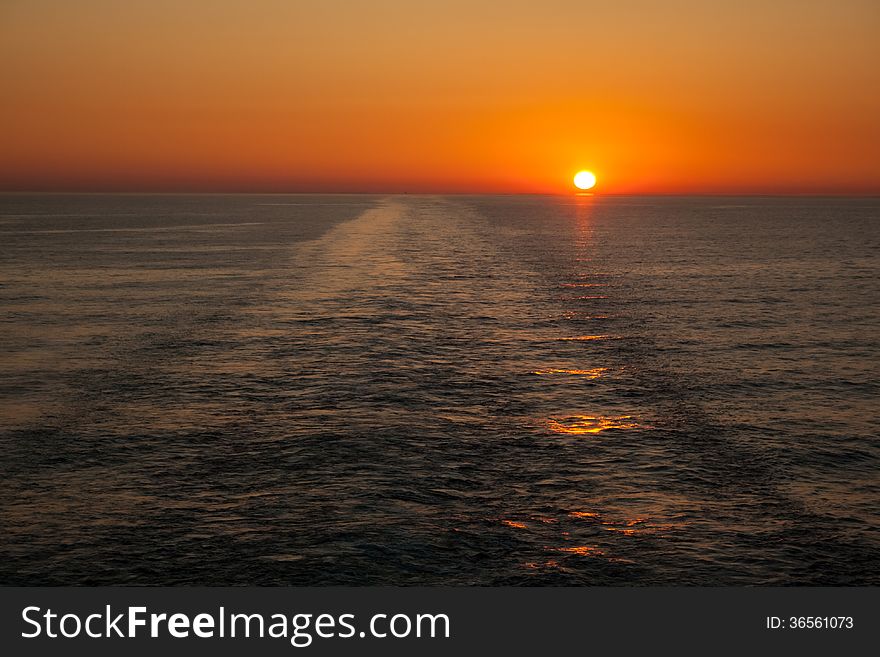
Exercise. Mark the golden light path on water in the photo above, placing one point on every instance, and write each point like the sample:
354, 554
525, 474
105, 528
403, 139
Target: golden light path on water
592, 373
621, 526
590, 424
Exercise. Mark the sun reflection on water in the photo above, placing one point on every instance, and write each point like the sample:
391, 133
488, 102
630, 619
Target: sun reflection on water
590, 424
583, 550
580, 316
627, 526
638, 526
514, 524
592, 373
533, 565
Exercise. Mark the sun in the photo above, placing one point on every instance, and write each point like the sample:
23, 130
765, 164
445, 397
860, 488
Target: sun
584, 180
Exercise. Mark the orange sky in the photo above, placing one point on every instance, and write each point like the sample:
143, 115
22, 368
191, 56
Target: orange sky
679, 96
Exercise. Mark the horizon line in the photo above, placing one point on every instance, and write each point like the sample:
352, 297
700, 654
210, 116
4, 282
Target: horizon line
159, 192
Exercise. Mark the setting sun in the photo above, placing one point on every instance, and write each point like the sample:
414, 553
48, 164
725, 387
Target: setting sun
584, 180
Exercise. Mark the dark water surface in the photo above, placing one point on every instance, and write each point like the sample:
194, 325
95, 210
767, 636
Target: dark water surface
439, 390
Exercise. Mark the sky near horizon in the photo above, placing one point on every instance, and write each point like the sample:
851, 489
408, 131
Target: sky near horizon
672, 97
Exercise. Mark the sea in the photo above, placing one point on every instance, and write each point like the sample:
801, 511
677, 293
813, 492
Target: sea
439, 390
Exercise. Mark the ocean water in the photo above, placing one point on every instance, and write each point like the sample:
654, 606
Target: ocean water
463, 390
